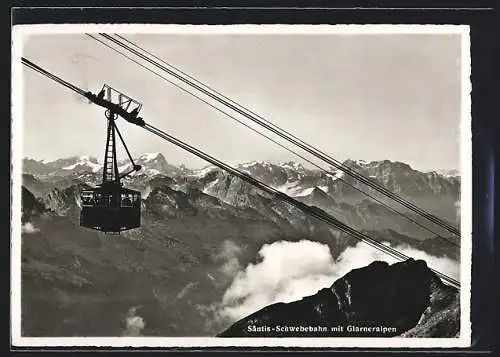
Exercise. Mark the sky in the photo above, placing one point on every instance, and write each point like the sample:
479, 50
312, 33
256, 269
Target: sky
359, 96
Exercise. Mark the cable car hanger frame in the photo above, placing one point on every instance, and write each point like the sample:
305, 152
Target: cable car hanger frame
111, 208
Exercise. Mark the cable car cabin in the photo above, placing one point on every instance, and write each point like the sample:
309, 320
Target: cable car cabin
110, 208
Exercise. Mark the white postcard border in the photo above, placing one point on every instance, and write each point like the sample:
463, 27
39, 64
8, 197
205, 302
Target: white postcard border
18, 35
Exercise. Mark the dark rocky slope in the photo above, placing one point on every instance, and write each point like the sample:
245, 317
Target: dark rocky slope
379, 300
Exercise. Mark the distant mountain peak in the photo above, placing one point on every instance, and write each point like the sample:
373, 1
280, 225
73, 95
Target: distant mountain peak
150, 156
88, 158
353, 162
292, 165
364, 163
83, 161
255, 163
203, 171
447, 172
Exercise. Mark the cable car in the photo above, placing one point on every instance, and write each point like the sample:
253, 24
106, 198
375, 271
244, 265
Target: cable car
112, 208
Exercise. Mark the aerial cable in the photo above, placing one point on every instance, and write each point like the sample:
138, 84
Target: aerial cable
335, 163
273, 140
59, 80
269, 123
313, 211
299, 143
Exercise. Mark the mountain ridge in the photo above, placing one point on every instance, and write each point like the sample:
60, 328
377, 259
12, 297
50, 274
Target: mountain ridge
150, 156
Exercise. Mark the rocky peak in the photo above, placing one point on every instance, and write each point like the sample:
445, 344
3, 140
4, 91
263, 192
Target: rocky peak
169, 202
65, 201
293, 165
152, 164
31, 206
448, 173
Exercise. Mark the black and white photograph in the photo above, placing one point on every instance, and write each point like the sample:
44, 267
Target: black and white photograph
241, 185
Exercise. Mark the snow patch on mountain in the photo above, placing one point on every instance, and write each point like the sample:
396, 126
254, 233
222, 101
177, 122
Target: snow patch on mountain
447, 173
208, 188
354, 163
85, 161
254, 163
304, 192
202, 172
292, 165
153, 172
294, 189
149, 156
338, 175
288, 188
323, 188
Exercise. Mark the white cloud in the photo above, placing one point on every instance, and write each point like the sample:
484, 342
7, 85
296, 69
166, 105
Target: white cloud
134, 323
289, 271
229, 255
28, 228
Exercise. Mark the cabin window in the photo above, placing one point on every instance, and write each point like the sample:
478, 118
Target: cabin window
103, 200
127, 200
99, 199
88, 199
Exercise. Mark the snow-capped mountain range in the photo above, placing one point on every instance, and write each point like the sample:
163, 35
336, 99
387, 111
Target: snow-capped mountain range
152, 164
156, 164
289, 177
437, 191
